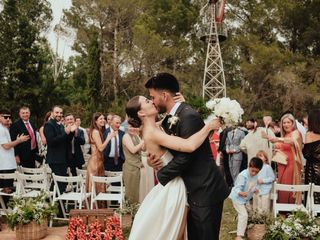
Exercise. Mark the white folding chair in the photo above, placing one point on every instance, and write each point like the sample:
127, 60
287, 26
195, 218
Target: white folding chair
314, 207
288, 207
115, 188
35, 171
76, 195
6, 176
30, 185
111, 194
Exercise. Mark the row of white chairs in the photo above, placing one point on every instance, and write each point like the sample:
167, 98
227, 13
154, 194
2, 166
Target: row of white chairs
307, 190
29, 183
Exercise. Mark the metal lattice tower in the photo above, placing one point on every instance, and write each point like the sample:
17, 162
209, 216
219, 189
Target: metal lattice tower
214, 83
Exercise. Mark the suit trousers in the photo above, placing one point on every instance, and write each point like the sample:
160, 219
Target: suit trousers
109, 164
74, 164
59, 169
204, 222
31, 162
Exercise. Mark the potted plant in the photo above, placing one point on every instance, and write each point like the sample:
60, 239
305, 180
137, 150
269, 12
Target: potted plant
29, 216
128, 212
298, 226
256, 228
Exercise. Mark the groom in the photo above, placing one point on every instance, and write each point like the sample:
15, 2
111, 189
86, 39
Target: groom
206, 187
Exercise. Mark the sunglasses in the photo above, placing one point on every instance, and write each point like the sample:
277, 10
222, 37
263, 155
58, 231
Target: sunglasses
6, 117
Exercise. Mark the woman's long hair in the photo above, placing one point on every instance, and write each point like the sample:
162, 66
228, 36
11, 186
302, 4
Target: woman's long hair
293, 120
93, 125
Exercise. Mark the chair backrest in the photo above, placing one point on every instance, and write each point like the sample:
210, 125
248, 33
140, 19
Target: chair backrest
32, 181
314, 189
32, 170
8, 176
291, 188
112, 173
78, 180
82, 172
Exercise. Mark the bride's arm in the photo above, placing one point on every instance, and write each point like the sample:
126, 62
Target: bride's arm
184, 145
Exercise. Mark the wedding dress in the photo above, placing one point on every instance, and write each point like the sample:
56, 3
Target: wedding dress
161, 212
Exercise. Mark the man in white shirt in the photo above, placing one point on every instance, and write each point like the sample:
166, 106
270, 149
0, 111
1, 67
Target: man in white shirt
7, 159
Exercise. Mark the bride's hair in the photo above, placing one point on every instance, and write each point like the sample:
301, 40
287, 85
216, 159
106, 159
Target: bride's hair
132, 109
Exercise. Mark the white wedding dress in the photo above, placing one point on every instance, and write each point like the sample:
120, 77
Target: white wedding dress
161, 212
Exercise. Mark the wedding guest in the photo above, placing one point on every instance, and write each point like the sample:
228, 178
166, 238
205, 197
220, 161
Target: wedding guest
113, 153
290, 144
8, 162
242, 192
132, 146
311, 151
98, 144
43, 141
254, 141
225, 156
26, 153
266, 177
234, 139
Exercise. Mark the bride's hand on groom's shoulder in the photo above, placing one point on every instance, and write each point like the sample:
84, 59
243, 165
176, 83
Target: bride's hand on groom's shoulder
179, 97
154, 161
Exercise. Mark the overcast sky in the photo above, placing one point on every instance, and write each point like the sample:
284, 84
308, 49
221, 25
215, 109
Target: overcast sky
64, 47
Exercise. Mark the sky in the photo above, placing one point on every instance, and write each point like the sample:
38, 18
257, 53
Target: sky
64, 46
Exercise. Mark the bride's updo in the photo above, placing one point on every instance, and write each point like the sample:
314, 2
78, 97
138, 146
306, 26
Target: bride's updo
132, 109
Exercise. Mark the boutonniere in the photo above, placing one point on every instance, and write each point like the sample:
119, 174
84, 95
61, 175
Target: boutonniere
173, 121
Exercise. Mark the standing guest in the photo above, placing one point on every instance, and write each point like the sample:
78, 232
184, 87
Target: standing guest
86, 146
311, 151
26, 153
225, 157
95, 164
132, 146
109, 119
234, 139
254, 141
57, 137
42, 143
290, 144
242, 192
8, 162
76, 140
275, 128
214, 144
113, 153
267, 120
266, 177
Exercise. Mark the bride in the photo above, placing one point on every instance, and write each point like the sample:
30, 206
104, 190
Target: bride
163, 213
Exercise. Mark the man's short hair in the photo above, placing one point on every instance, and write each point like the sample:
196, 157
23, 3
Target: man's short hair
24, 108
163, 81
5, 111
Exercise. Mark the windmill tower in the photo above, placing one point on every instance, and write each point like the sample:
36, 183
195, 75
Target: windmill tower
214, 32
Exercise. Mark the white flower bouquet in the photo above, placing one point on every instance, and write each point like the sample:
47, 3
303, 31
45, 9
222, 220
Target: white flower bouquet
229, 111
298, 225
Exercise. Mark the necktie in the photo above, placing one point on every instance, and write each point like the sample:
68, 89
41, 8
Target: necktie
31, 134
116, 154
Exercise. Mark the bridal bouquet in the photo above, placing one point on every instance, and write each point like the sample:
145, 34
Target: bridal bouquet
226, 109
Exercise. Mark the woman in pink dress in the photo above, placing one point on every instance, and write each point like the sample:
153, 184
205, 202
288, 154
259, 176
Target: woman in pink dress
290, 144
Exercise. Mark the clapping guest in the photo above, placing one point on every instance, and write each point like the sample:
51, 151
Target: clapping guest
290, 144
113, 153
26, 153
311, 151
76, 140
132, 146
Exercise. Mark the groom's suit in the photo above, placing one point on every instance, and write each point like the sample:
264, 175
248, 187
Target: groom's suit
206, 187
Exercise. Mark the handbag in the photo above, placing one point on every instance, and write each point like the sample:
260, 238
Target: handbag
280, 157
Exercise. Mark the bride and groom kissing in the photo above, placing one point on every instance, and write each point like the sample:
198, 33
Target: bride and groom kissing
188, 201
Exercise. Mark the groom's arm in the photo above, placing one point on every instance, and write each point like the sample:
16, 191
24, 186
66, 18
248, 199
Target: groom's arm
189, 125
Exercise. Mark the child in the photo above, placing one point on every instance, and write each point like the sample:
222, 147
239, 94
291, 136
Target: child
261, 200
242, 192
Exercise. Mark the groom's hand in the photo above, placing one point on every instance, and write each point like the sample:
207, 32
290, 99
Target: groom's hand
154, 161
